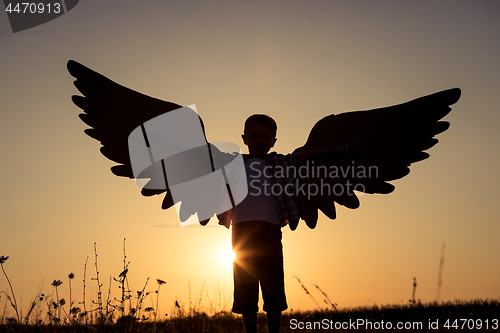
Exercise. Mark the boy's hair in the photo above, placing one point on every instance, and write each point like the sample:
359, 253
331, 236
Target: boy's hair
261, 119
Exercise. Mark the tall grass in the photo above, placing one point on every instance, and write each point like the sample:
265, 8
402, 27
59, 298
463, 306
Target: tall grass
127, 313
13, 301
102, 309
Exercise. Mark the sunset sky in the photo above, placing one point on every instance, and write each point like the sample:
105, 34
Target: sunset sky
296, 60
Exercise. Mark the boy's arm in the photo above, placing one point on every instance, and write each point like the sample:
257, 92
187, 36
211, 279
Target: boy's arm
358, 146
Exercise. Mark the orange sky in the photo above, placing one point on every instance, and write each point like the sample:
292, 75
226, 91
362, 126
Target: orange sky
294, 60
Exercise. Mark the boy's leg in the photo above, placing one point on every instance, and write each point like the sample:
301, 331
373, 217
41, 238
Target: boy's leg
272, 280
274, 322
250, 322
246, 286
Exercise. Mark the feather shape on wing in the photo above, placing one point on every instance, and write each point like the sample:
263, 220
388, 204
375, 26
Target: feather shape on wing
113, 112
399, 135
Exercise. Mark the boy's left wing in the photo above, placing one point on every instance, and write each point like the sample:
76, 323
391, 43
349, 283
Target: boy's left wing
399, 135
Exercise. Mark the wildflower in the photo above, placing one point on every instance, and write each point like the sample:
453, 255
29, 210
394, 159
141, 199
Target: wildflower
71, 275
75, 310
160, 282
3, 259
62, 301
56, 283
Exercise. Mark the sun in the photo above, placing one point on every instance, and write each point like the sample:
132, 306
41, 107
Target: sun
226, 256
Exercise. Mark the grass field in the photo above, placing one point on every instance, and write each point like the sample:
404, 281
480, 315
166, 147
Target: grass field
475, 316
128, 314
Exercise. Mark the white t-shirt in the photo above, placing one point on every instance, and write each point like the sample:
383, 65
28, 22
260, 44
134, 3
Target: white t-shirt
259, 204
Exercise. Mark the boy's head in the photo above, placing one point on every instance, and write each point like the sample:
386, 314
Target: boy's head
259, 134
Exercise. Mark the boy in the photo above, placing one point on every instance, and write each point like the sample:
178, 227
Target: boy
257, 222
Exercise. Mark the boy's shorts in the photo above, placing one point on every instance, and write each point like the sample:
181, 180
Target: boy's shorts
259, 258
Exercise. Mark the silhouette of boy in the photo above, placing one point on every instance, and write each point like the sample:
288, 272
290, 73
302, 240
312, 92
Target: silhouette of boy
256, 234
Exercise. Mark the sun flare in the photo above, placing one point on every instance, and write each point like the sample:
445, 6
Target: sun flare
226, 256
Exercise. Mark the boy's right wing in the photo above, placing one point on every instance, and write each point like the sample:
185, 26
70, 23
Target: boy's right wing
399, 134
150, 139
114, 111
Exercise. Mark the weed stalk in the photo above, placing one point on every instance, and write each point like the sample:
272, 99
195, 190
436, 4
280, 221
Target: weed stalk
12, 303
84, 287
99, 292
307, 292
160, 283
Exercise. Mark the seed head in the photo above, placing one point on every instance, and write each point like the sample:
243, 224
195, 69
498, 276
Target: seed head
160, 282
71, 275
3, 259
56, 283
